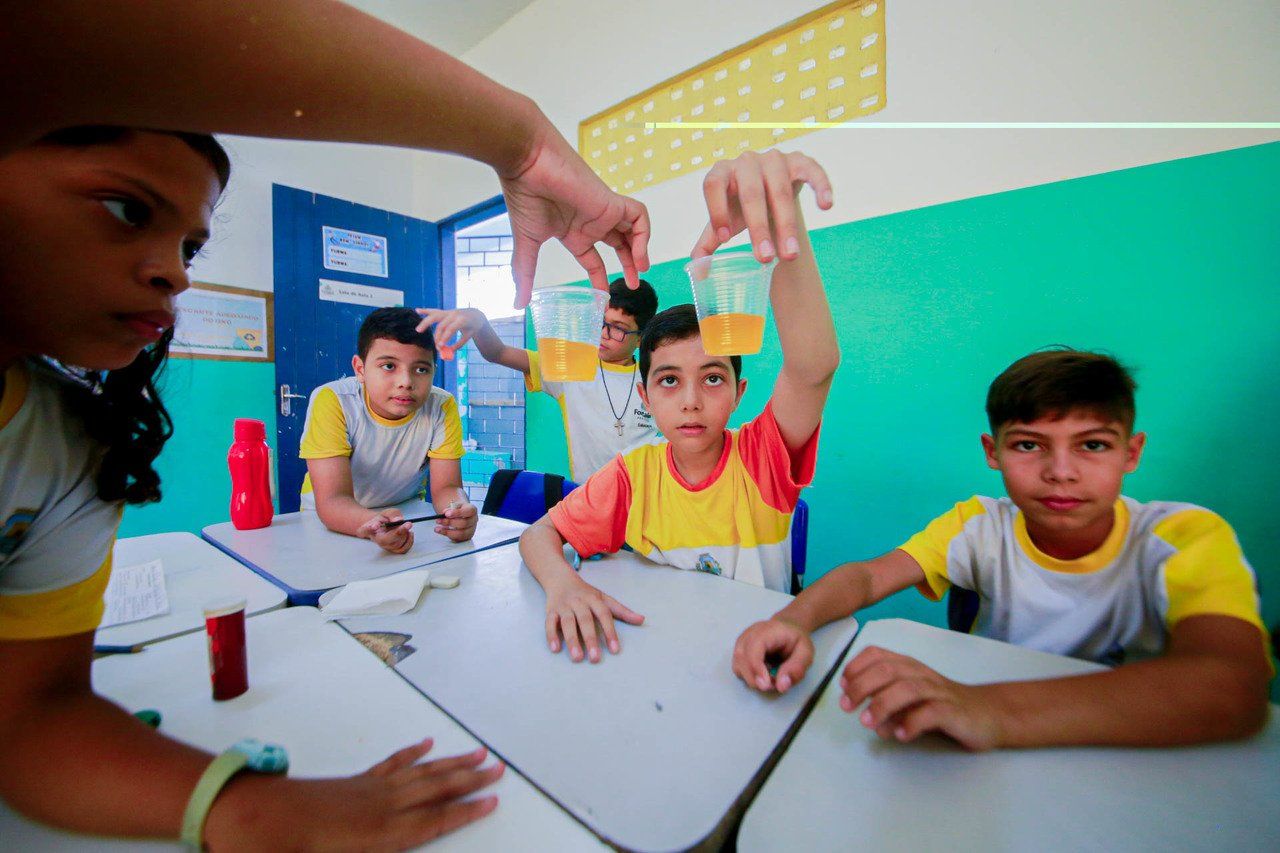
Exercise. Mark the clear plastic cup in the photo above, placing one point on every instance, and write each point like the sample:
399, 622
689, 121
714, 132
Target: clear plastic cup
731, 293
567, 322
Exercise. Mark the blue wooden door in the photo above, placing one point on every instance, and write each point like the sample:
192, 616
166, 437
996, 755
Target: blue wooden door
335, 261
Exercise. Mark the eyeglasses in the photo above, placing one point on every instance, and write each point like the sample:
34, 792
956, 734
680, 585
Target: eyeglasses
617, 333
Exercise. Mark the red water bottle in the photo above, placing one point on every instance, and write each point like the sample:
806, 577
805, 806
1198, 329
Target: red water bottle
250, 463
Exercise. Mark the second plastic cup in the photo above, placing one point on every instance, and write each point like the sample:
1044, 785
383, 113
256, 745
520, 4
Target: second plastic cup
731, 293
566, 322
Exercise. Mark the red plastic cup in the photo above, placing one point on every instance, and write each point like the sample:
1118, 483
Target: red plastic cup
228, 662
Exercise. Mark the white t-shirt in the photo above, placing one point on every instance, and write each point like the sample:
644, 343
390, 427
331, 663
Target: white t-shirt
1161, 563
602, 418
56, 534
388, 458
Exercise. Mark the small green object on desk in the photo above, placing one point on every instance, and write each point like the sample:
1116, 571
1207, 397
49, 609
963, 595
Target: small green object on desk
150, 716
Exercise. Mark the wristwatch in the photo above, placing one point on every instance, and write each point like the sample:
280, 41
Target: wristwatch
250, 754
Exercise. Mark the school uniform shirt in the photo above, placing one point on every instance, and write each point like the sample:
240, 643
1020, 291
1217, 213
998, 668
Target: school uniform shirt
388, 458
56, 534
591, 411
736, 524
1161, 563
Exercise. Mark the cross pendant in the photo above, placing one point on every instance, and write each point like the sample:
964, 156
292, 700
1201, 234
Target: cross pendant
617, 425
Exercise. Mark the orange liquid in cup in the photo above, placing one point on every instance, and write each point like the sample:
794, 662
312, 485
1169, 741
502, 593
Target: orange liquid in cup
732, 334
567, 361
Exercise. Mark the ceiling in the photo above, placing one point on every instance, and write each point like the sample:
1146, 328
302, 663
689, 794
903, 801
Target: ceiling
454, 26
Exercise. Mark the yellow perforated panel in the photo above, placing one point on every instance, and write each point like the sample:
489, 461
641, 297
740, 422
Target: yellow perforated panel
825, 68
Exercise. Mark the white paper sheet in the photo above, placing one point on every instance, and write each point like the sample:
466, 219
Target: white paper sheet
379, 597
135, 593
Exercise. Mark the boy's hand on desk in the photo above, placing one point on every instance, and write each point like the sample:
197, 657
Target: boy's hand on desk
396, 805
909, 699
397, 540
459, 523
760, 192
574, 609
769, 641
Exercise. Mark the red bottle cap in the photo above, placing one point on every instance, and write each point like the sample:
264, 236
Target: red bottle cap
248, 429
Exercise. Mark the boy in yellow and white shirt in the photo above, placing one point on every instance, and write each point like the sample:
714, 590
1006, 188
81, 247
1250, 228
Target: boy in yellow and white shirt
1064, 564
706, 498
603, 417
371, 440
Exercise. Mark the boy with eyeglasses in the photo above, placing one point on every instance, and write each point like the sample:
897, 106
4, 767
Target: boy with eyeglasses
603, 417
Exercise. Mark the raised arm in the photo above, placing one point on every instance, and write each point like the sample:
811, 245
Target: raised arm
275, 69
456, 327
760, 192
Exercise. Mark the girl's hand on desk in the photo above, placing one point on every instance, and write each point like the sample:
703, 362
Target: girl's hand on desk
396, 805
397, 540
574, 609
909, 699
772, 640
459, 523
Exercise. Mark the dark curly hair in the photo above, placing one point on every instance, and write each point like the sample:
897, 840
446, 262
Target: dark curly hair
122, 409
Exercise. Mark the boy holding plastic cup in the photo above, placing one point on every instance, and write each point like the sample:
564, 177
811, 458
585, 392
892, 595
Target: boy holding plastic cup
707, 498
585, 361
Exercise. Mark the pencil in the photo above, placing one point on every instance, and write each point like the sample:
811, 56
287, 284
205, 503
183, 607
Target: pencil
118, 650
387, 525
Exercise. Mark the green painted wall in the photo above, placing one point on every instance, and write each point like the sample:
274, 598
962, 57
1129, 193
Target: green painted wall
204, 398
1174, 268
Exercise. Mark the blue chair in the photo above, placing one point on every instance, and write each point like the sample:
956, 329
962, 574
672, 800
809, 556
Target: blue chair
962, 609
799, 545
524, 495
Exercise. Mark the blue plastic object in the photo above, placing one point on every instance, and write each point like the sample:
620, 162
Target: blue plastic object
263, 757
799, 545
526, 499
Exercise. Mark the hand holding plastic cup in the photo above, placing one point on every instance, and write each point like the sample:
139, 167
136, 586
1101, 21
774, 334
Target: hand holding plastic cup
731, 293
566, 322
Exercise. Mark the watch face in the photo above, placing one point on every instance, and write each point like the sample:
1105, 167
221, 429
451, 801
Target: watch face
263, 757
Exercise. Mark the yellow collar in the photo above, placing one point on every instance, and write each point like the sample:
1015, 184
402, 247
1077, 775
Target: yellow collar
1092, 562
379, 419
619, 368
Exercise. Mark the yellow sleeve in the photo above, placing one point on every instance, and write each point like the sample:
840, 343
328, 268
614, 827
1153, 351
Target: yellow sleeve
449, 446
1207, 574
58, 613
930, 546
325, 434
533, 379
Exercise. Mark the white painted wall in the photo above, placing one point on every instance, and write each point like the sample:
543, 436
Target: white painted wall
240, 253
948, 60
958, 60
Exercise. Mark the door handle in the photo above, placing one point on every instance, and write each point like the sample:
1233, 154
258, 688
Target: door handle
286, 400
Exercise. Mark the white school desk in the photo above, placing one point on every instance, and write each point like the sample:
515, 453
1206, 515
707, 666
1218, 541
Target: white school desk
304, 558
336, 708
195, 573
839, 787
656, 748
